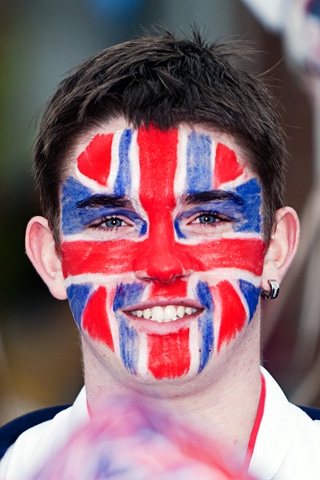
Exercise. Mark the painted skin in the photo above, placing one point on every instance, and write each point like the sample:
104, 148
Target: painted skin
162, 247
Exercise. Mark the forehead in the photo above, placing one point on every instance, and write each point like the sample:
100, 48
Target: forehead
194, 158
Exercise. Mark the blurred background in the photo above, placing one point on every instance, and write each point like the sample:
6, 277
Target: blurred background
40, 40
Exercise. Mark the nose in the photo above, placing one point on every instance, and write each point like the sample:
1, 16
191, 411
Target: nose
160, 258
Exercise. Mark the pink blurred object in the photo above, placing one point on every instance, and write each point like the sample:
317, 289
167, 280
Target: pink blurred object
302, 35
128, 440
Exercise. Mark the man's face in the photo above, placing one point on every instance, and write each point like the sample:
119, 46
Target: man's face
162, 247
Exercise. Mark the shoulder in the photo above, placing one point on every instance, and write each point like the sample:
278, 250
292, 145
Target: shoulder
35, 436
288, 441
12, 430
313, 413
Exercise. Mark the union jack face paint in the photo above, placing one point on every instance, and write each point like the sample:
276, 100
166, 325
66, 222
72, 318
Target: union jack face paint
162, 247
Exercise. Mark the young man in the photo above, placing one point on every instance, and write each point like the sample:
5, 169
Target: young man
160, 165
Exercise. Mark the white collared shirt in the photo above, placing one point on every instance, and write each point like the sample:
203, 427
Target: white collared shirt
288, 442
36, 444
287, 445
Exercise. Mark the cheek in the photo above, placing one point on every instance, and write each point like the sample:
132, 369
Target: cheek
94, 257
89, 308
235, 304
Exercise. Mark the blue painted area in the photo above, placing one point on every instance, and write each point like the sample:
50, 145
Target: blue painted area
205, 323
228, 210
199, 170
251, 194
177, 228
78, 296
128, 338
123, 180
126, 295
240, 206
251, 294
75, 219
72, 193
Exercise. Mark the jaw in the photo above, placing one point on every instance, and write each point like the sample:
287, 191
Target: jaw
233, 365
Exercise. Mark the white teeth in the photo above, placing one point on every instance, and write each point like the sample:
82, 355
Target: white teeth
146, 313
180, 311
168, 313
157, 314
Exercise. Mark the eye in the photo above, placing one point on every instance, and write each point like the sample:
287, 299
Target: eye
110, 223
207, 218
113, 222
205, 223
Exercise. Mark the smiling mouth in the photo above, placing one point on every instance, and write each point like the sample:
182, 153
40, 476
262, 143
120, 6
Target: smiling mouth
169, 313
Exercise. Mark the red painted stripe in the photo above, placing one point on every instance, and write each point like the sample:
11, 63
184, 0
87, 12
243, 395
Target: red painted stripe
95, 319
173, 290
115, 257
256, 425
227, 167
157, 156
233, 314
169, 355
95, 161
158, 165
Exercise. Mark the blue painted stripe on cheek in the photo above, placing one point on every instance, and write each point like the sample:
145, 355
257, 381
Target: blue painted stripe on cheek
126, 295
128, 351
71, 218
78, 296
178, 229
251, 294
123, 180
199, 171
251, 194
205, 324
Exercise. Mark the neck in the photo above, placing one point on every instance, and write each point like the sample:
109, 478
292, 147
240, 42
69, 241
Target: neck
220, 403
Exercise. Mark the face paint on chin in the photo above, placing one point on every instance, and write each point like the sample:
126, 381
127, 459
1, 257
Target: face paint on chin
201, 259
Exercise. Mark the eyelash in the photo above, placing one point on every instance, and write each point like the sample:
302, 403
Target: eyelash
218, 217
98, 224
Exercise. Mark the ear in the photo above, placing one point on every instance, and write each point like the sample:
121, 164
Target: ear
41, 250
283, 246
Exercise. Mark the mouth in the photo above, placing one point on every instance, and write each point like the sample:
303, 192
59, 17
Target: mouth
165, 314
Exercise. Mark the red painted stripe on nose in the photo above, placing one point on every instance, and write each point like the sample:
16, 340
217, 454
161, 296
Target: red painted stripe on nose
118, 257
158, 165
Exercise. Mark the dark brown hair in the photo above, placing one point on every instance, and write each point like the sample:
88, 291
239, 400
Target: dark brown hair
165, 81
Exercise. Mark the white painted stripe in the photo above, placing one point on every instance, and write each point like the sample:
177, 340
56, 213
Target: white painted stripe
194, 348
212, 277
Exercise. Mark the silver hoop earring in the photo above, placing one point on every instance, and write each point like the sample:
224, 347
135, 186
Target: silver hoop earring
273, 292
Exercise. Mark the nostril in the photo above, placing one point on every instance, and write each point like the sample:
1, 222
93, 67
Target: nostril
161, 259
162, 276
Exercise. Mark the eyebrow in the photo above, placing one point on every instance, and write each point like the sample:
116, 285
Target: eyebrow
212, 195
96, 201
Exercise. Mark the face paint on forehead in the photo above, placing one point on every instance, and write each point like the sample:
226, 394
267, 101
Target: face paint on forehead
148, 158
145, 176
106, 161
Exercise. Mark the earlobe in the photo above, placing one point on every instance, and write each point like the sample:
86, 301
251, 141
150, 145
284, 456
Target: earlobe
283, 246
40, 248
